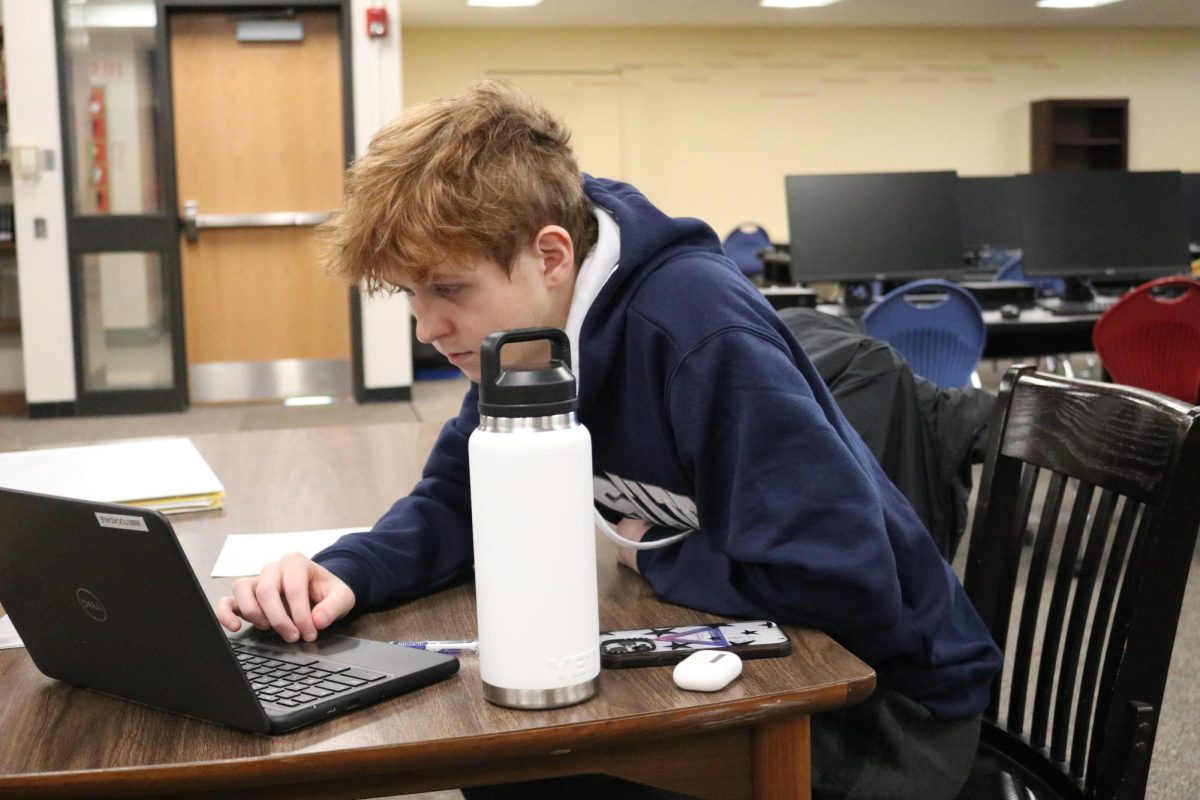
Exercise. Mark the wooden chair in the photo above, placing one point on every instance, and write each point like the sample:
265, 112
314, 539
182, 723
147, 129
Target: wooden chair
1074, 713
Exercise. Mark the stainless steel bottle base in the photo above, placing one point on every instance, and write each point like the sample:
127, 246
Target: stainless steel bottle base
541, 698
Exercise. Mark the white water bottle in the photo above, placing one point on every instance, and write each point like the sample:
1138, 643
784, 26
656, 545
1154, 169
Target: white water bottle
535, 553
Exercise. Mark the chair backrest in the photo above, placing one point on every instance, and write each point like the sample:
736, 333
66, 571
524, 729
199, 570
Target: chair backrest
744, 243
936, 325
1086, 666
1151, 340
1014, 270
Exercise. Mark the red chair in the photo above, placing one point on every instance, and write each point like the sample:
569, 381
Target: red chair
1151, 338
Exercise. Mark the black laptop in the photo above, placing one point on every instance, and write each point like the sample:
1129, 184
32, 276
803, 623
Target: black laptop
104, 598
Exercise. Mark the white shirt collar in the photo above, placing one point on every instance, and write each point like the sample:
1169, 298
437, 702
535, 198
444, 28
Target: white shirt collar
594, 272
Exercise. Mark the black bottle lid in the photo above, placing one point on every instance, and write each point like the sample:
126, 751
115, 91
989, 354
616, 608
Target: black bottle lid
526, 392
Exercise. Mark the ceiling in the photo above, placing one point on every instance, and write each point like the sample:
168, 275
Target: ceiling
849, 13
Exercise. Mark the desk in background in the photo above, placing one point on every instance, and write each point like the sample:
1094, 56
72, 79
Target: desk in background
1036, 332
777, 266
747, 741
781, 297
777, 285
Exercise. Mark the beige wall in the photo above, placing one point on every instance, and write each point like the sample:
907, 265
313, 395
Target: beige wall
708, 121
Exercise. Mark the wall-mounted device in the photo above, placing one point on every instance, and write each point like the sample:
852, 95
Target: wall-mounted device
377, 22
26, 161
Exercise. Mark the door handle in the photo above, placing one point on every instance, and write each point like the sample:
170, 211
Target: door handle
194, 221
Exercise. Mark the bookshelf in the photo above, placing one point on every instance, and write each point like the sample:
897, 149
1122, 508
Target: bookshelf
1077, 135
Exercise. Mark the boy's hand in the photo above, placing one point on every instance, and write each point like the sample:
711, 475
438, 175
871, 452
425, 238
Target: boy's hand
282, 597
633, 530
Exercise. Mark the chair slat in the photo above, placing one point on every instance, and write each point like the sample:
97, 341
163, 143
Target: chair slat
1095, 649
1022, 659
1052, 636
1118, 633
1014, 541
1077, 625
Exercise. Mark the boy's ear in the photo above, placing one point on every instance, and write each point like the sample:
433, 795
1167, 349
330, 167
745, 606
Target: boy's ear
556, 252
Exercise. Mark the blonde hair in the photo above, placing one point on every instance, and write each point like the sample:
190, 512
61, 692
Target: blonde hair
455, 180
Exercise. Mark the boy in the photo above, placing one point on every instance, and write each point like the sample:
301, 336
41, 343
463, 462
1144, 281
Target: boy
704, 413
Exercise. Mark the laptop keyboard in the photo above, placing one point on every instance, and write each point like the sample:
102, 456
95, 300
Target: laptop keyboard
297, 680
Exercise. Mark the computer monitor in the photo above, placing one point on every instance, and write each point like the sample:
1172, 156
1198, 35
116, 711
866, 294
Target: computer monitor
1112, 224
1191, 205
857, 228
987, 212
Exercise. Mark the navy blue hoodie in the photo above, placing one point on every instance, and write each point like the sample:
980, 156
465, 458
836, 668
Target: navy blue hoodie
705, 414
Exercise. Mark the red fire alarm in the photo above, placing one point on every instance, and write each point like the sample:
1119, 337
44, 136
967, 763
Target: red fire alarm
377, 22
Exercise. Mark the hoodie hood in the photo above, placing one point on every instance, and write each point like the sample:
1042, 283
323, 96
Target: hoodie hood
649, 239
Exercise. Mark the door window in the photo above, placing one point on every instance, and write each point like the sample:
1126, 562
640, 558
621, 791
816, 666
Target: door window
128, 338
123, 241
110, 51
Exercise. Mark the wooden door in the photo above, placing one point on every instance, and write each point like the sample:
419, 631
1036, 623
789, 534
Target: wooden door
258, 129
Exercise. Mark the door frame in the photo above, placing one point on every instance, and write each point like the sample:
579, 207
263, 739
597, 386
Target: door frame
108, 233
166, 8
160, 232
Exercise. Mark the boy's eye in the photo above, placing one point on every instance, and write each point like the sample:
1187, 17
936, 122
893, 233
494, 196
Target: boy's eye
446, 289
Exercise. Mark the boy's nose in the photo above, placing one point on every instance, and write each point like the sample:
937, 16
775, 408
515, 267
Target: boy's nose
430, 328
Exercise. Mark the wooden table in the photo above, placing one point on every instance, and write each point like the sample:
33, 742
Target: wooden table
748, 741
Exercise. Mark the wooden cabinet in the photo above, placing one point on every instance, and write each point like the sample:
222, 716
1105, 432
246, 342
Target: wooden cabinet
1079, 135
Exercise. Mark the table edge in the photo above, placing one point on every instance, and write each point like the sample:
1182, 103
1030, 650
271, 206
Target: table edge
378, 760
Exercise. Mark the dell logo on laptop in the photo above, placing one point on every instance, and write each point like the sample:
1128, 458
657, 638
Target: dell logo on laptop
91, 605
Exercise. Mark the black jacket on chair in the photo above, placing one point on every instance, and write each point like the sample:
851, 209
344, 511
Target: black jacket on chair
925, 437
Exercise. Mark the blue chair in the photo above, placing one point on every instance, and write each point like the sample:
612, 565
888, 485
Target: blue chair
1014, 270
936, 325
743, 244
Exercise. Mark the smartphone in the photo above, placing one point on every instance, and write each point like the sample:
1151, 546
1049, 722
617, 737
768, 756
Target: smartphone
647, 647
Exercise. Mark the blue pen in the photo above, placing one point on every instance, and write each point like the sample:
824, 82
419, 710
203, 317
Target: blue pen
443, 646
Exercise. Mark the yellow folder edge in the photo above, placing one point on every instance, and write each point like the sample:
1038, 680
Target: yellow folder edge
180, 505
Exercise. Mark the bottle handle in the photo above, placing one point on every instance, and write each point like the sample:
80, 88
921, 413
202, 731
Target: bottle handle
489, 351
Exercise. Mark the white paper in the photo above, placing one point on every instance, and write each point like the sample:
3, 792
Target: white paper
248, 553
8, 634
117, 472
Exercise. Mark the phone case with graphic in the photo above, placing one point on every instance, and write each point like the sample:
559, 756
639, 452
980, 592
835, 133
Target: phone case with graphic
647, 647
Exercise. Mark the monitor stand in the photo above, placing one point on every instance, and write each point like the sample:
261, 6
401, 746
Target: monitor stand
1077, 290
1077, 298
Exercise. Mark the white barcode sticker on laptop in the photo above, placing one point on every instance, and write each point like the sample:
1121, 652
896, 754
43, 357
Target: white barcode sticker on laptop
121, 522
